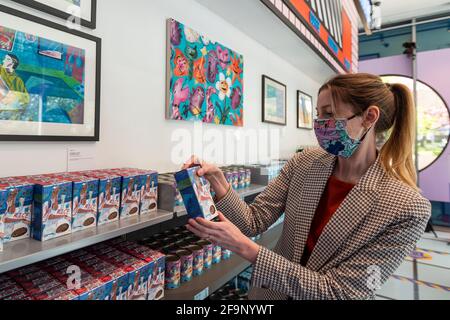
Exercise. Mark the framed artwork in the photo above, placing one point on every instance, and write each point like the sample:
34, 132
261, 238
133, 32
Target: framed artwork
305, 111
82, 11
274, 101
49, 80
205, 79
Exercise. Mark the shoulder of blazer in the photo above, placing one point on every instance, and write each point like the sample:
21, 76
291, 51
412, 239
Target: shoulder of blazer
304, 159
403, 201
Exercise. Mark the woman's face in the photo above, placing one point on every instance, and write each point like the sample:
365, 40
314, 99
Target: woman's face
342, 110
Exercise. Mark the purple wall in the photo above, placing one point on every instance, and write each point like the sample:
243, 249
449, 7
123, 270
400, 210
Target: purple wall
434, 70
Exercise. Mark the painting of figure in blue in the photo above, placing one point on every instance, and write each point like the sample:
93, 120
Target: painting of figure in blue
41, 80
206, 79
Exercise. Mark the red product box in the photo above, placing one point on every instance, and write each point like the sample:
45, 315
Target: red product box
7, 284
31, 276
51, 262
52, 293
81, 259
37, 289
140, 252
100, 270
86, 280
111, 254
4, 277
34, 282
75, 254
19, 296
59, 266
22, 271
10, 291
100, 248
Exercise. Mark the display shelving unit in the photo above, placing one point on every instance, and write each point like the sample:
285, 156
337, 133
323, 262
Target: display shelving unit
220, 274
28, 251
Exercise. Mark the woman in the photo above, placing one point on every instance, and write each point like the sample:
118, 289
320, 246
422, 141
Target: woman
353, 213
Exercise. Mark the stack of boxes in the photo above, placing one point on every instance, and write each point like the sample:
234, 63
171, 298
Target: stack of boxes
115, 270
52, 205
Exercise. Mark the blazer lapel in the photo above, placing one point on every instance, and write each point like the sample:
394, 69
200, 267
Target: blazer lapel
352, 211
313, 187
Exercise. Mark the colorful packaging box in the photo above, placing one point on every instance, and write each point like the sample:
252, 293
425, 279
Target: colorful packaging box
85, 201
52, 216
16, 203
149, 192
138, 281
108, 196
156, 282
196, 193
131, 195
3, 206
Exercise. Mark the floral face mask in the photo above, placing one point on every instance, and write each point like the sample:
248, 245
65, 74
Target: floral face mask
333, 137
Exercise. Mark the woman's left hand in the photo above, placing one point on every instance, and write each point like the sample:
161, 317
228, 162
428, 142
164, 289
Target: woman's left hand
225, 234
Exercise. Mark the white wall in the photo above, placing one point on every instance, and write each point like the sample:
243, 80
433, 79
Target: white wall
134, 131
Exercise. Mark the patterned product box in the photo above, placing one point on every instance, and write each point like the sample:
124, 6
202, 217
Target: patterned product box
170, 198
85, 202
19, 296
23, 271
86, 281
16, 203
149, 192
31, 276
138, 281
130, 195
56, 293
7, 284
108, 196
52, 216
156, 283
14, 289
196, 194
40, 285
51, 262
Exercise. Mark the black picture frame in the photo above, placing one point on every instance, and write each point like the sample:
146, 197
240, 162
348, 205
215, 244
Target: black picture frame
299, 126
266, 78
91, 24
98, 55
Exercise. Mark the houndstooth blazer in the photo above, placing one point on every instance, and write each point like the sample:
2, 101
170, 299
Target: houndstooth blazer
367, 239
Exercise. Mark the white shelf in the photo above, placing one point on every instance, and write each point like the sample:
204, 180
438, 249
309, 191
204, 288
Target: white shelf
25, 252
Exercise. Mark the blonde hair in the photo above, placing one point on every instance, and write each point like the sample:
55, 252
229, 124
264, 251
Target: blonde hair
397, 115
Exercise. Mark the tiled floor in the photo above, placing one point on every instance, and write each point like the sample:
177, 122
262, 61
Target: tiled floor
431, 281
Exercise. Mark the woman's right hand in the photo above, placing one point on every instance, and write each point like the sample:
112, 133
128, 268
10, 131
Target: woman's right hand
212, 173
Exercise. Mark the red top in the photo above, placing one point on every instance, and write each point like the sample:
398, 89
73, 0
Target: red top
335, 193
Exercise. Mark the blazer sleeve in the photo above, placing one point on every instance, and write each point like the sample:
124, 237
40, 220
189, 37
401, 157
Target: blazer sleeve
267, 208
356, 278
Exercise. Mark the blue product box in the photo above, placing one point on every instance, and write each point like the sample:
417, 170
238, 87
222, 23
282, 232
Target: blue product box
108, 196
196, 193
131, 195
16, 203
157, 281
149, 192
52, 216
138, 281
85, 202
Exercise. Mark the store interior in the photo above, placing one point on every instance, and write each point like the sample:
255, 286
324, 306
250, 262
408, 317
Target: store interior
134, 115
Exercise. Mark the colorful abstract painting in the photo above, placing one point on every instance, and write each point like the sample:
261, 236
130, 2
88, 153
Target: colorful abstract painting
205, 79
40, 80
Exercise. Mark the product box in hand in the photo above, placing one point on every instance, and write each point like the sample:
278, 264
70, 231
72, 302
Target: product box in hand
169, 198
196, 193
85, 201
52, 216
149, 192
108, 196
16, 202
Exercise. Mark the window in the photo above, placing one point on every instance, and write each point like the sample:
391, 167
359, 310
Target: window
433, 120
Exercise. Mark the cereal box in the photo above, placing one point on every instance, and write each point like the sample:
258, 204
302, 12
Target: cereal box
131, 195
52, 216
149, 192
85, 202
196, 194
108, 196
156, 282
16, 202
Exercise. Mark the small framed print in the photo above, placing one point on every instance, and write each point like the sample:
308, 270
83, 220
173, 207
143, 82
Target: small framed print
305, 111
49, 80
82, 11
274, 101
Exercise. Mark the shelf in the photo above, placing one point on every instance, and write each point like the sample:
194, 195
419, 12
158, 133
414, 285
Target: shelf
222, 273
24, 252
250, 191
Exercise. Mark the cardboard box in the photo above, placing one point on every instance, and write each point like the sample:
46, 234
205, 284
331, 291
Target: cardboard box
196, 194
85, 202
16, 203
52, 216
108, 196
149, 192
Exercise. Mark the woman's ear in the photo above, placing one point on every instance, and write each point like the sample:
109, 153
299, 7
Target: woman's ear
372, 116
